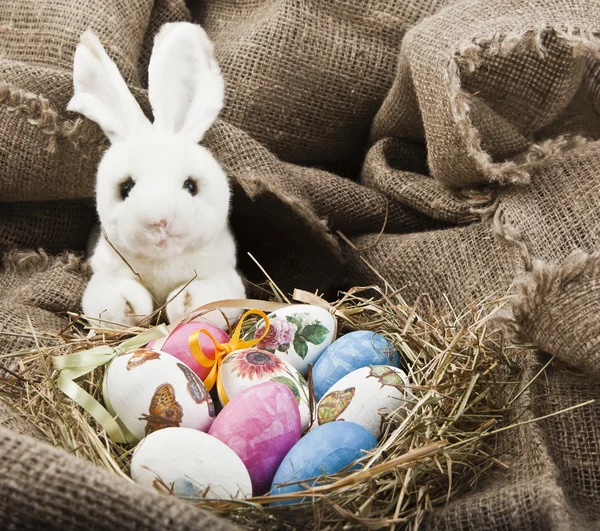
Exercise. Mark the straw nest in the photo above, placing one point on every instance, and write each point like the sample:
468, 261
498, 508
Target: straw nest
464, 378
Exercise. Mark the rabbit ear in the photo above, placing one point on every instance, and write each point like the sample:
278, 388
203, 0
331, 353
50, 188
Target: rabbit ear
101, 94
185, 86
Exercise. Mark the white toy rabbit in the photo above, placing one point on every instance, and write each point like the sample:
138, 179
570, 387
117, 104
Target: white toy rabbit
162, 199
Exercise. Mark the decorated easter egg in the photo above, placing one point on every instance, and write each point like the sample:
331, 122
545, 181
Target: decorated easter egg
148, 390
245, 368
322, 451
364, 397
348, 353
260, 424
190, 464
177, 343
298, 334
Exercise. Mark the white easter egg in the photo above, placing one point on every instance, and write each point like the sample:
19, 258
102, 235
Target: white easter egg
244, 368
365, 396
190, 464
298, 334
148, 390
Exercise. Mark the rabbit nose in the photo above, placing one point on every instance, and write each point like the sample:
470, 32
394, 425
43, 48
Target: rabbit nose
162, 224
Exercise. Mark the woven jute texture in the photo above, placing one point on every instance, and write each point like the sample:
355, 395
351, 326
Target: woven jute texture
53, 225
46, 185
35, 289
547, 219
551, 477
481, 81
46, 488
45, 33
556, 307
306, 78
444, 147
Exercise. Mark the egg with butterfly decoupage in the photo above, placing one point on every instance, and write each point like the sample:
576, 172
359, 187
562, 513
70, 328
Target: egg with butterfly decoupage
348, 353
148, 390
298, 334
248, 367
366, 396
191, 465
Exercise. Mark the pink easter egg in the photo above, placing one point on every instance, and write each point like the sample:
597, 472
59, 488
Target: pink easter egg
260, 424
177, 344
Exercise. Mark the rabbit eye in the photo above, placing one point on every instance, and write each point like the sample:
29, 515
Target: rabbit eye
191, 186
125, 187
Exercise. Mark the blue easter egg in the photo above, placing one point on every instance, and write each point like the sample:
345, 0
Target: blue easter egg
323, 451
348, 353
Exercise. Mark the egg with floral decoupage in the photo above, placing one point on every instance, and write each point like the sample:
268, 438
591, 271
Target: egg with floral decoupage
348, 353
248, 367
298, 334
149, 390
191, 465
365, 397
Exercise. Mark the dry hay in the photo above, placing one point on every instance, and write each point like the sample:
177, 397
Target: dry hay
464, 375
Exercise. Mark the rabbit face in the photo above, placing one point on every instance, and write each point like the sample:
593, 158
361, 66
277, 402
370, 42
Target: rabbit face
158, 192
159, 195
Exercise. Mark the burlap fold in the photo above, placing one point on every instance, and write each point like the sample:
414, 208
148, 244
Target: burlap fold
487, 78
548, 219
53, 225
305, 79
550, 468
556, 308
45, 488
37, 288
45, 33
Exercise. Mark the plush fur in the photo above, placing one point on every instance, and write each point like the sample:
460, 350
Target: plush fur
165, 234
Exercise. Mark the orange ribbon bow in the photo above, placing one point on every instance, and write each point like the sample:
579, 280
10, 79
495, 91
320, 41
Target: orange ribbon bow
222, 350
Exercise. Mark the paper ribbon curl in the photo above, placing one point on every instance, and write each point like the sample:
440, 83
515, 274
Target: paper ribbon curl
72, 366
222, 350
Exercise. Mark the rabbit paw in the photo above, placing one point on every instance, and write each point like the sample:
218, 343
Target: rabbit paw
116, 301
200, 292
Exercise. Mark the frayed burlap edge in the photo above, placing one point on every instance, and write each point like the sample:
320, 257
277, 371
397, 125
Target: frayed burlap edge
538, 155
30, 262
545, 281
423, 193
38, 112
471, 55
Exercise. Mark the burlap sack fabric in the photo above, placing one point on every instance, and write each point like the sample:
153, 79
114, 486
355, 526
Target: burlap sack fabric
555, 307
43, 487
500, 92
467, 133
550, 473
46, 488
